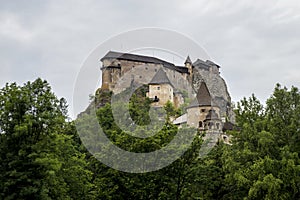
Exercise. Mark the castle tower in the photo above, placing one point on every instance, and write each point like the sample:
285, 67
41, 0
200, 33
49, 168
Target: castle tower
188, 64
111, 71
161, 89
203, 113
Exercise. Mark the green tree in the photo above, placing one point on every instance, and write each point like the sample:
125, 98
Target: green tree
263, 162
38, 161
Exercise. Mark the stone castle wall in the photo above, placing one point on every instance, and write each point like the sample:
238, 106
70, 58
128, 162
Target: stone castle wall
118, 80
117, 75
217, 88
162, 91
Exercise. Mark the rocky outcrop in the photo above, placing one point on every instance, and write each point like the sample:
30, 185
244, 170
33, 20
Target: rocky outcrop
218, 90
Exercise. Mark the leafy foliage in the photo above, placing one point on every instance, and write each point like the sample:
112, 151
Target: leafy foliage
38, 161
42, 156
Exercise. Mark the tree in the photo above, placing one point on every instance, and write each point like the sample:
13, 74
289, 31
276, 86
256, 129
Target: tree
38, 161
263, 162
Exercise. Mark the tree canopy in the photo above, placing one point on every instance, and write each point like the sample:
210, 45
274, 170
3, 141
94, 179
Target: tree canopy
42, 156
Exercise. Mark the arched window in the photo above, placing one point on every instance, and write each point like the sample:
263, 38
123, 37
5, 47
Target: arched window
200, 124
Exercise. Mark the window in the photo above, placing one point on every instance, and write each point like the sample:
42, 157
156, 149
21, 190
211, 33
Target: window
155, 70
140, 76
158, 88
200, 124
210, 124
202, 110
146, 68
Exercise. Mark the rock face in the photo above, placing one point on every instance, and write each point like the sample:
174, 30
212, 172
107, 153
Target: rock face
216, 85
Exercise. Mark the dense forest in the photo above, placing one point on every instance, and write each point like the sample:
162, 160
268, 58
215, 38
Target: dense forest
42, 157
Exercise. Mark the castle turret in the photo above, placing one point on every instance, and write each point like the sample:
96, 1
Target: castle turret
111, 70
203, 113
188, 64
161, 89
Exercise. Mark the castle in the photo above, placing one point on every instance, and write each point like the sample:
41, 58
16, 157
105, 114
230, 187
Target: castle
211, 109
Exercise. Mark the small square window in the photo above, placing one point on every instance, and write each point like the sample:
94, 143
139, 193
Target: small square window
158, 88
202, 110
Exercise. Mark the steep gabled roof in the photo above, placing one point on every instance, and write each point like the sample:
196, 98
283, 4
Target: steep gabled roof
160, 78
203, 97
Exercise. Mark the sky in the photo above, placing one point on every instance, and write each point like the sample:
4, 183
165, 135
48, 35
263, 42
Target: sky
257, 43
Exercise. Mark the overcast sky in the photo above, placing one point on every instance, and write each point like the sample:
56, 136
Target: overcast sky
257, 43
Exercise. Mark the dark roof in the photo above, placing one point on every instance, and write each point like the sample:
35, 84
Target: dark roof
160, 77
212, 63
188, 60
203, 97
134, 57
229, 126
204, 64
144, 59
181, 69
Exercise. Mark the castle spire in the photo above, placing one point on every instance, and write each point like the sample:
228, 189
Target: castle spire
203, 95
188, 60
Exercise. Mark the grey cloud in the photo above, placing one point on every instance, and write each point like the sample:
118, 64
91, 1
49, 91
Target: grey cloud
255, 42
